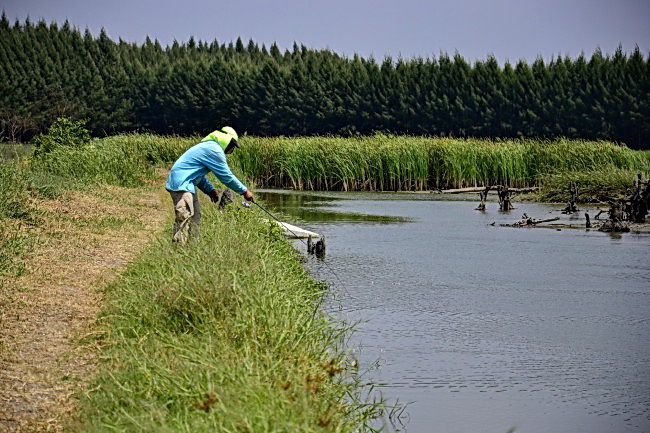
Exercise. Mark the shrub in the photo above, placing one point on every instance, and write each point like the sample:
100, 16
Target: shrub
64, 132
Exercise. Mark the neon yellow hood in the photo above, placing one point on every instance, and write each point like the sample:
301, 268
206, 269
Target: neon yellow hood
222, 136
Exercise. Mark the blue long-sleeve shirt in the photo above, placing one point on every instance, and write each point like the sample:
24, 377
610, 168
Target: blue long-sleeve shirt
189, 171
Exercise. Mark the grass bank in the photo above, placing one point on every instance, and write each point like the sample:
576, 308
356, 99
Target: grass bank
222, 335
125, 161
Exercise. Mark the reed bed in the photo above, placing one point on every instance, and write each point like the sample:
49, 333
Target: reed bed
376, 163
155, 149
403, 163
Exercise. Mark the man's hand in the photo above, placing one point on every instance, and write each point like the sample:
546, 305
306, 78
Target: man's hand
214, 196
248, 196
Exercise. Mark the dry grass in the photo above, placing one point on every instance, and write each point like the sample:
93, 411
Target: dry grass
84, 241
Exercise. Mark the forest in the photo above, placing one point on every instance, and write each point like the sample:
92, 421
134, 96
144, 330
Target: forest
52, 70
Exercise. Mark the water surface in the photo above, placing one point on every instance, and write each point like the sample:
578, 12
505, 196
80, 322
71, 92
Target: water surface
484, 328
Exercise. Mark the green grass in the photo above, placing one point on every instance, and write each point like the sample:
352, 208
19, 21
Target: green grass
223, 335
386, 162
226, 334
9, 151
24, 179
96, 163
16, 211
597, 185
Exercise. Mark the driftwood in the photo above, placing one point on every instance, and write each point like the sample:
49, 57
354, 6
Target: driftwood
533, 222
505, 203
614, 226
600, 211
317, 248
616, 215
483, 195
573, 199
527, 221
633, 208
637, 203
482, 188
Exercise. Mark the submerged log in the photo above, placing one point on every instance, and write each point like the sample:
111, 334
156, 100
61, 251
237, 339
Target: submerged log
527, 221
544, 220
480, 189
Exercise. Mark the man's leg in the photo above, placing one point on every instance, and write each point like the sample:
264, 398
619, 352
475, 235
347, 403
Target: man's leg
196, 218
184, 211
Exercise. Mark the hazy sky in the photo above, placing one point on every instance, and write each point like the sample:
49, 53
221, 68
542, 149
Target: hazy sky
508, 29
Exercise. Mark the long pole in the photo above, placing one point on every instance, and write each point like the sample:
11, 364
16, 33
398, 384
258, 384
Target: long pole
272, 216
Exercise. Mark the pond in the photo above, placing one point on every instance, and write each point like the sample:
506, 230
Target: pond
486, 328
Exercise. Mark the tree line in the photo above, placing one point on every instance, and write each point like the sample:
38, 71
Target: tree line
50, 70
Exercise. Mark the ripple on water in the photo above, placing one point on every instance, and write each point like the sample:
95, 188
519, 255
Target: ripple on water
467, 318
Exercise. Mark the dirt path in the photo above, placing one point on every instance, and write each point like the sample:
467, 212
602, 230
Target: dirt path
84, 241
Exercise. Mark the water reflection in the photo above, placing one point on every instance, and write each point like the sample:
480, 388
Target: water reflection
319, 208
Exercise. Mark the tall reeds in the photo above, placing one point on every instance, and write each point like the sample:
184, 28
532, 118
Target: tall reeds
402, 163
376, 163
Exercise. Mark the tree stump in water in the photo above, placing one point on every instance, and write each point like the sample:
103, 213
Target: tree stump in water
483, 195
504, 198
317, 248
616, 215
573, 199
638, 202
